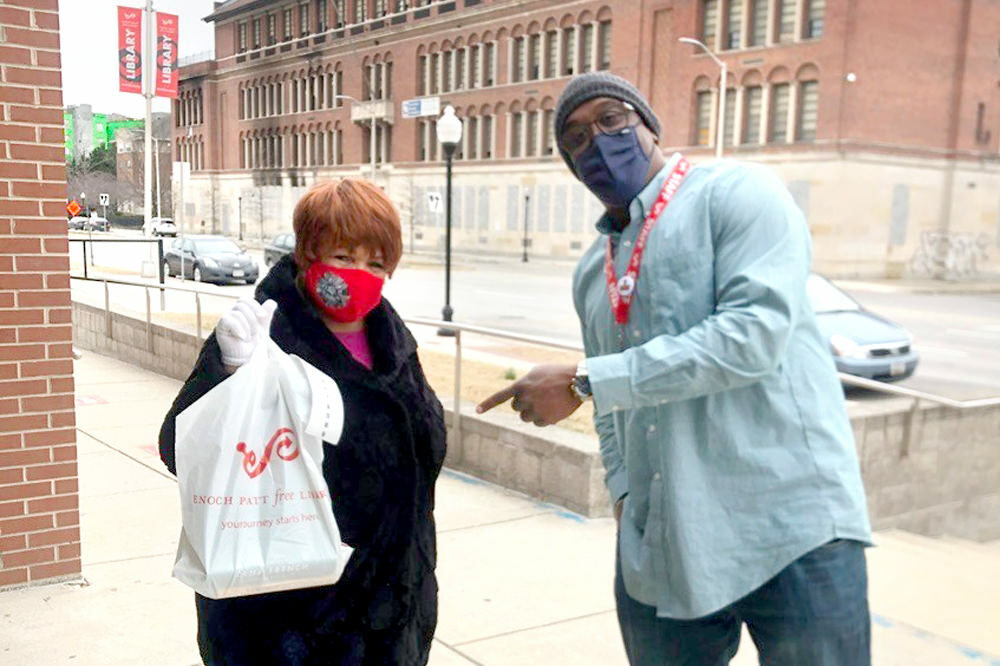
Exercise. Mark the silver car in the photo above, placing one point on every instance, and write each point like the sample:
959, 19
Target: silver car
863, 344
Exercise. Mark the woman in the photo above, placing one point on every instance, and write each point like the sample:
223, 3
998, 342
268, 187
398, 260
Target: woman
381, 475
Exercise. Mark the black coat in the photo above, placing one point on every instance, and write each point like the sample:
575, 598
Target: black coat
381, 476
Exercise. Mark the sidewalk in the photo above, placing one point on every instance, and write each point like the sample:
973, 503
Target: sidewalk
522, 583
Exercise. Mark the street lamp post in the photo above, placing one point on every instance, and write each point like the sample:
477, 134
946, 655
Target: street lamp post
371, 108
719, 134
524, 256
449, 132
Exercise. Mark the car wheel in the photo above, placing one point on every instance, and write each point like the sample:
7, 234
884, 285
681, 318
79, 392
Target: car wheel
166, 269
197, 274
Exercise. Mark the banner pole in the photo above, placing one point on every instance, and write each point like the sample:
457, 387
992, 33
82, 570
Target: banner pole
148, 74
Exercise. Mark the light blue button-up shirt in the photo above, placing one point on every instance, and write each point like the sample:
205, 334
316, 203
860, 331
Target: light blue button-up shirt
720, 415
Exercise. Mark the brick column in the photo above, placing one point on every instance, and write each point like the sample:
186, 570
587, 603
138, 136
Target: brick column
39, 502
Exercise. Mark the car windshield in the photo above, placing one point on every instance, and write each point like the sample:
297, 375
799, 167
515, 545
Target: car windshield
827, 298
216, 246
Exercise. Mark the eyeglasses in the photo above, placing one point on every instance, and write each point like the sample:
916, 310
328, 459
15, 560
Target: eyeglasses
610, 120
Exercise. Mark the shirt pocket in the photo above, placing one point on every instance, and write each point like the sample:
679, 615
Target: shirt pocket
680, 289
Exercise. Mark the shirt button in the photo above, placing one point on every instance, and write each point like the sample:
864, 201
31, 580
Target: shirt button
656, 477
627, 243
637, 333
651, 429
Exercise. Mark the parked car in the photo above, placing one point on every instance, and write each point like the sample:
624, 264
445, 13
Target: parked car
279, 247
161, 226
210, 259
76, 223
96, 223
863, 343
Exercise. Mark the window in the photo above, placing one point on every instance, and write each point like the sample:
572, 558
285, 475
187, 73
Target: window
729, 129
531, 143
516, 131
321, 16
547, 142
422, 75
474, 60
587, 47
703, 118
604, 45
460, 69
709, 20
286, 22
256, 33
303, 20
243, 36
551, 54
805, 123
758, 23
472, 132
272, 29
734, 24
535, 56
786, 20
435, 57
487, 147
489, 64
380, 8
779, 113
517, 60
569, 51
360, 11
338, 13
814, 18
446, 71
752, 98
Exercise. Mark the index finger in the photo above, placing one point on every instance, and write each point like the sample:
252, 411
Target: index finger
497, 398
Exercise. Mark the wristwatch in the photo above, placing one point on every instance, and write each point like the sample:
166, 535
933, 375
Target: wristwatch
580, 384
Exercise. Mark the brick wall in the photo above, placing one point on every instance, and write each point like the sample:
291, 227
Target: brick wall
39, 508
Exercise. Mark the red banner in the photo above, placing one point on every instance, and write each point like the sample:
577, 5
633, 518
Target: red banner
130, 50
166, 55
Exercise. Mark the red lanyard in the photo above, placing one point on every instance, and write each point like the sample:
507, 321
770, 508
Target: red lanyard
621, 290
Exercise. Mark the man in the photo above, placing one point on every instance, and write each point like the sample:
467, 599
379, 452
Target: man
728, 453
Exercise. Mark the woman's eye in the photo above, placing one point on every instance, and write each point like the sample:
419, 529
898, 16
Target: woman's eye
377, 265
344, 258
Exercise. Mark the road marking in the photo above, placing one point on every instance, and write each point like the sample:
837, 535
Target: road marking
940, 352
983, 333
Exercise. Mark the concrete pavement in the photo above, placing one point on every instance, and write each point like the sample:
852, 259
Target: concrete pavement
522, 583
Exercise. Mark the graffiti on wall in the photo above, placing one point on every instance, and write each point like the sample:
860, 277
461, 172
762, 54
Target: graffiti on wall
950, 254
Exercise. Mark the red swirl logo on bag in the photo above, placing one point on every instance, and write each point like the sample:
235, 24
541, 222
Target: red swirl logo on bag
282, 443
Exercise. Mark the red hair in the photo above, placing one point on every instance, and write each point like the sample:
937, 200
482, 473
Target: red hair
346, 213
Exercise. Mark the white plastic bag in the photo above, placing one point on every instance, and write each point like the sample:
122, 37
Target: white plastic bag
256, 511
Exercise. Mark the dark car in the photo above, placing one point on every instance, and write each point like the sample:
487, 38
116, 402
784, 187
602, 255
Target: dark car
210, 259
279, 247
863, 343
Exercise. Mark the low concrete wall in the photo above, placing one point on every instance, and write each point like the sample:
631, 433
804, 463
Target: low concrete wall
943, 479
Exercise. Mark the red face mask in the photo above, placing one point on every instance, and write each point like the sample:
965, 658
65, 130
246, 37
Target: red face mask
343, 294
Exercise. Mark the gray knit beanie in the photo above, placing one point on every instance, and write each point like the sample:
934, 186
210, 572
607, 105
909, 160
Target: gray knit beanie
599, 84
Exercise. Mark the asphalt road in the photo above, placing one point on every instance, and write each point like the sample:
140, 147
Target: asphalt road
956, 334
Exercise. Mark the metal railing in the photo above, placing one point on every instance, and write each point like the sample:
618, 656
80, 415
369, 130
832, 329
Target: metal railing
850, 380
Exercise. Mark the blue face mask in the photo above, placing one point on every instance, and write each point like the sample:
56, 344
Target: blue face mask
614, 167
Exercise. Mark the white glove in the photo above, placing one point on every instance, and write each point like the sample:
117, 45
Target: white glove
239, 330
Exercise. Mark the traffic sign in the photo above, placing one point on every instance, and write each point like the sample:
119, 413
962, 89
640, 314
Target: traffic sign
422, 106
105, 199
73, 208
435, 202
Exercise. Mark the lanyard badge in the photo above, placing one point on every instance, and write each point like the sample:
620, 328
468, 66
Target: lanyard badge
622, 289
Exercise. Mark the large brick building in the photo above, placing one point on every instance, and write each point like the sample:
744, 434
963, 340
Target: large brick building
39, 507
882, 117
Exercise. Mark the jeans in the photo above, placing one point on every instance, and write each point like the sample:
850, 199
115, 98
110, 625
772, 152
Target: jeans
813, 613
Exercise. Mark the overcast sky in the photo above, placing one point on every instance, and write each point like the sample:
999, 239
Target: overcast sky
89, 39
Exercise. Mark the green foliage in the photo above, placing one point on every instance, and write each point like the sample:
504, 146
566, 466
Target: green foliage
101, 159
509, 374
